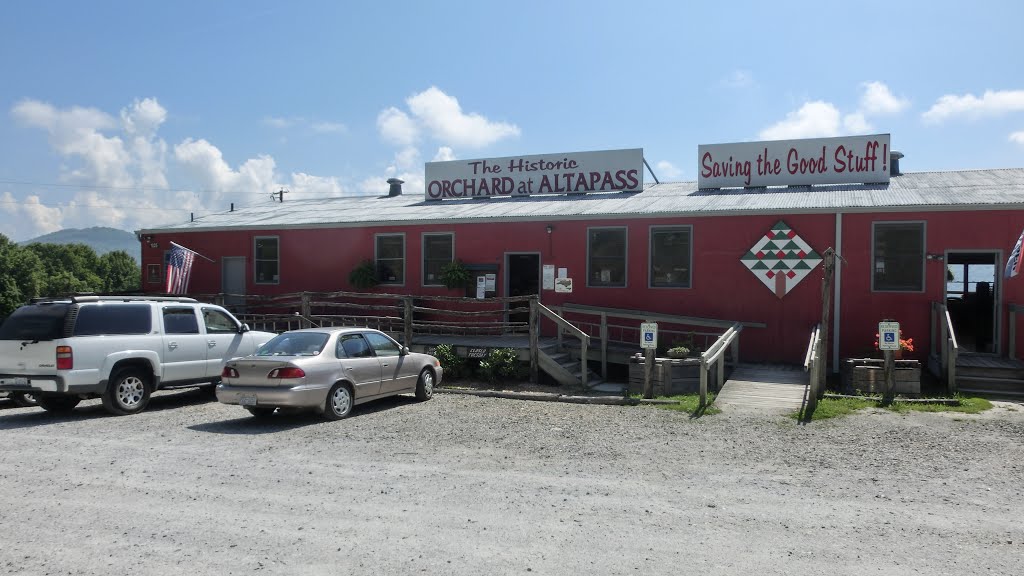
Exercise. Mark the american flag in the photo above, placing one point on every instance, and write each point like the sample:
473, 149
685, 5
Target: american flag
179, 269
1013, 264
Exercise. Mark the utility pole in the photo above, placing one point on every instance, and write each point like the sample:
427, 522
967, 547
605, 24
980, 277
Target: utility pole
280, 195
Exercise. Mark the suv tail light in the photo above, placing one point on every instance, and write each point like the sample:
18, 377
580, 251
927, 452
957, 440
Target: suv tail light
65, 359
290, 372
229, 372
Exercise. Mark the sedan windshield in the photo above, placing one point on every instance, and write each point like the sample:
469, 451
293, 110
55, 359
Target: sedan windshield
294, 344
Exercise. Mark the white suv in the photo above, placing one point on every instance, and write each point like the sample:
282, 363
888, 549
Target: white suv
118, 348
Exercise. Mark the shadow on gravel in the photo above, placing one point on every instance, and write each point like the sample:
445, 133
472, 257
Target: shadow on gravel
279, 422
32, 417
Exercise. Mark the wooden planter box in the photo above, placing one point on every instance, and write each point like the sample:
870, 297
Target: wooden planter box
868, 375
671, 376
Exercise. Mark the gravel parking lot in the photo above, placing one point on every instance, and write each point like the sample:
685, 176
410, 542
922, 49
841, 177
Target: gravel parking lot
464, 485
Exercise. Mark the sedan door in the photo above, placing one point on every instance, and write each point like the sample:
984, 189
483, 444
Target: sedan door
359, 364
397, 373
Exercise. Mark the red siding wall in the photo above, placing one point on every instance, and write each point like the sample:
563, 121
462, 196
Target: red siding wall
722, 287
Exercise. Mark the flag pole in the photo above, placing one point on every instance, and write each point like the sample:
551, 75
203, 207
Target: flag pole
193, 251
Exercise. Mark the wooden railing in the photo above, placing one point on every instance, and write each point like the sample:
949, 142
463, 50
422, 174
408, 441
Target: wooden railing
715, 356
622, 327
944, 345
538, 310
1012, 344
814, 365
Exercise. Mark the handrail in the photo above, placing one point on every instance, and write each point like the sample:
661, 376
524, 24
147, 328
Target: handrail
654, 316
952, 351
1011, 345
715, 354
813, 367
537, 310
944, 344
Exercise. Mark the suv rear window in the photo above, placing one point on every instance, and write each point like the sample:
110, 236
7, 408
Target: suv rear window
35, 322
114, 319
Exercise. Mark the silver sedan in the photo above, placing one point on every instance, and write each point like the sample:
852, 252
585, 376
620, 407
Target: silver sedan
329, 370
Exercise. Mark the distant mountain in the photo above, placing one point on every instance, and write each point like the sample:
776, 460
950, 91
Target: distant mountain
102, 240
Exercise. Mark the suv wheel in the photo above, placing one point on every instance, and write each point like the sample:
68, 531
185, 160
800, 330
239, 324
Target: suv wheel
58, 403
127, 392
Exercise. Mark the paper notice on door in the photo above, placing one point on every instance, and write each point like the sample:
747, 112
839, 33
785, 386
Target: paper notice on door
489, 281
549, 276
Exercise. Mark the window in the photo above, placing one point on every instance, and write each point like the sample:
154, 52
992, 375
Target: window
114, 319
391, 258
438, 251
352, 346
382, 345
606, 257
153, 275
180, 321
898, 263
218, 322
670, 257
267, 258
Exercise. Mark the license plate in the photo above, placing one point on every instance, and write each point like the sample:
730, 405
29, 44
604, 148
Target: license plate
247, 400
20, 382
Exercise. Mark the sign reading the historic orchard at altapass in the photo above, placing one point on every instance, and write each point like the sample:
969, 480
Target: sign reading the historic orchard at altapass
573, 173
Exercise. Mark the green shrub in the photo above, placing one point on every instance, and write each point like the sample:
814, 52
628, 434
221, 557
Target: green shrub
678, 352
455, 275
364, 276
454, 366
501, 364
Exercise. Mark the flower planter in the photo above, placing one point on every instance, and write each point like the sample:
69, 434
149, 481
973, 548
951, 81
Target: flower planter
670, 376
868, 375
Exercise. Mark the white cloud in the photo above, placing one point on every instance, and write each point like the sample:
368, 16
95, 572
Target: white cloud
444, 154
991, 103
879, 100
396, 127
444, 117
856, 123
1017, 137
30, 217
739, 79
280, 122
206, 163
668, 170
328, 127
308, 186
812, 120
144, 117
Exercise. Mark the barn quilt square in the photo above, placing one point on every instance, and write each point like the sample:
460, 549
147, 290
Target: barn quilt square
781, 259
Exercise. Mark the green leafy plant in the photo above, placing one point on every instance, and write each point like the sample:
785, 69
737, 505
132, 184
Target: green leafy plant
455, 275
364, 275
678, 352
454, 366
501, 364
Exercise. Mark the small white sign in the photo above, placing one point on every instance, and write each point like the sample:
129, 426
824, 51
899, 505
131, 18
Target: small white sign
563, 272
563, 285
481, 285
549, 276
649, 335
888, 335
490, 281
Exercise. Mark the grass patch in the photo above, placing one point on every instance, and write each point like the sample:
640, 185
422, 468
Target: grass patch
835, 407
689, 403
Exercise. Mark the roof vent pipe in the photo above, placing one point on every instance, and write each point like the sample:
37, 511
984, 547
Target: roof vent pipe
232, 206
894, 163
396, 186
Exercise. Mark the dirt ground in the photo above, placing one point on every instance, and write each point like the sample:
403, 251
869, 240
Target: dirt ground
466, 485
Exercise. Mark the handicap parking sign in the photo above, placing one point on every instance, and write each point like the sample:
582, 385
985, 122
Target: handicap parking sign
649, 335
888, 336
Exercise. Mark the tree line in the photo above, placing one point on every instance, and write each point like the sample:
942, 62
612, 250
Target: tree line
47, 270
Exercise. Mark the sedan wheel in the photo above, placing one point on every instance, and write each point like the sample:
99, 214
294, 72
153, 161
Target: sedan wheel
425, 385
339, 402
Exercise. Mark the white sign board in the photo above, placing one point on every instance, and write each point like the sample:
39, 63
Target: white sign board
549, 277
844, 160
481, 286
888, 335
563, 285
649, 335
490, 281
571, 173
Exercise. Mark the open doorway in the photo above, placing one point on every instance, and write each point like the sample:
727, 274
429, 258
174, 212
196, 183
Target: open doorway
522, 278
972, 297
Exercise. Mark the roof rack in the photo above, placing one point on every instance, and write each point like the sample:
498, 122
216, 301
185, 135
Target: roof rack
99, 298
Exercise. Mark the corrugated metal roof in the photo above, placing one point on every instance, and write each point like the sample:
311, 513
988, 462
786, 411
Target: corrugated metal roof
961, 190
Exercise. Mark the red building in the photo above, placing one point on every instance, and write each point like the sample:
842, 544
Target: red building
747, 252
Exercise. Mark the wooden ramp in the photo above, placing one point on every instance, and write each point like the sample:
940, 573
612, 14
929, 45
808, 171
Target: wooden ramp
763, 388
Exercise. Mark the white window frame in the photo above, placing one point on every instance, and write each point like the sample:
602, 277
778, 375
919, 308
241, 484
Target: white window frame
924, 255
688, 228
256, 261
625, 256
376, 258
423, 253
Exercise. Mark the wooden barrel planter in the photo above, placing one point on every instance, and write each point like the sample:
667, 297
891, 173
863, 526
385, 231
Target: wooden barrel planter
868, 375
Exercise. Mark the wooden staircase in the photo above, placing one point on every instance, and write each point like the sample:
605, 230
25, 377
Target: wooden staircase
989, 375
567, 369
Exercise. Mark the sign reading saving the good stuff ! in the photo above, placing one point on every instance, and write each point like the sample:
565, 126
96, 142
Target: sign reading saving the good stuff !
845, 160
573, 173
781, 259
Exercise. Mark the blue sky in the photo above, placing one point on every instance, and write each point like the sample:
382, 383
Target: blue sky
132, 114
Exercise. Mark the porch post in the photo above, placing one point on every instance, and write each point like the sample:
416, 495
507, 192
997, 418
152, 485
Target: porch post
534, 341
